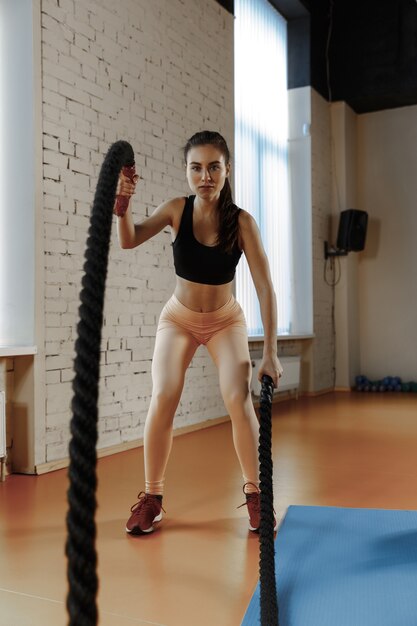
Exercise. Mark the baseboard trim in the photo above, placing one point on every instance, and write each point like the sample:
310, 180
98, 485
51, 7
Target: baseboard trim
320, 392
52, 466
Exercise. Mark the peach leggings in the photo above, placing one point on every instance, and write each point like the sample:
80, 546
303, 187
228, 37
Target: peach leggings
180, 331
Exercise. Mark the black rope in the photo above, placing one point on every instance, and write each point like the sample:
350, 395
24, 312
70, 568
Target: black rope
80, 546
269, 602
81, 529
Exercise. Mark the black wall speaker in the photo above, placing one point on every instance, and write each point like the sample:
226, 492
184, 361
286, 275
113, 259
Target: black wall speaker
352, 230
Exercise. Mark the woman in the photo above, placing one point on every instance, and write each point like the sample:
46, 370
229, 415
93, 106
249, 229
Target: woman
209, 234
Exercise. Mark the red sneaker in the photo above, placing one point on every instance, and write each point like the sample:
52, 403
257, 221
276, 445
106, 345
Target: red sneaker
253, 502
145, 512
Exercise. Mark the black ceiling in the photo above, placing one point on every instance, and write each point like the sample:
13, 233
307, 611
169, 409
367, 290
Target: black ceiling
372, 52
371, 56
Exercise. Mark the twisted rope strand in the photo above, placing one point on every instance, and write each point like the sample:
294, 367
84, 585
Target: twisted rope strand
269, 603
81, 529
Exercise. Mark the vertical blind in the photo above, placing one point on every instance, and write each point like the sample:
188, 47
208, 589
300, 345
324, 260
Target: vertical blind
261, 151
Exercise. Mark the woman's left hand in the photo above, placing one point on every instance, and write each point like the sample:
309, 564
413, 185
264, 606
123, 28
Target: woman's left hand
271, 366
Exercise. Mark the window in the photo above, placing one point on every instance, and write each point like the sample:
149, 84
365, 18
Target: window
17, 245
262, 175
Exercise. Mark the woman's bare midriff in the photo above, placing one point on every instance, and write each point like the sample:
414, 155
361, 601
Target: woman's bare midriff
202, 298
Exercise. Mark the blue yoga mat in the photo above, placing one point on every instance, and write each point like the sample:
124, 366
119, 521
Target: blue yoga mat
344, 567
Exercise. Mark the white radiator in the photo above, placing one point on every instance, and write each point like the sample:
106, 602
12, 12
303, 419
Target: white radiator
290, 380
2, 424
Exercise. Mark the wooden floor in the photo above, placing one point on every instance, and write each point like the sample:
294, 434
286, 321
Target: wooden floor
200, 568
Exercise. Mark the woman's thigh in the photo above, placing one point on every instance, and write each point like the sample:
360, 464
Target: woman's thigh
173, 351
230, 352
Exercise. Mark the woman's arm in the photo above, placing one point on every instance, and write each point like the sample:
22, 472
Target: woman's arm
130, 234
261, 276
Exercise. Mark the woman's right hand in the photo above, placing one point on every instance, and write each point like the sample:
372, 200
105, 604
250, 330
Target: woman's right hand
126, 188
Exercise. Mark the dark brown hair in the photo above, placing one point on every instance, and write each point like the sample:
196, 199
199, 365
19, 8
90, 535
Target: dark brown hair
228, 211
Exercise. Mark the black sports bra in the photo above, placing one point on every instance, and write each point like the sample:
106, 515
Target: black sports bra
197, 262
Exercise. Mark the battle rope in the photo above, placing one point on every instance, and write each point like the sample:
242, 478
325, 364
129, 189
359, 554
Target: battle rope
269, 602
81, 528
80, 546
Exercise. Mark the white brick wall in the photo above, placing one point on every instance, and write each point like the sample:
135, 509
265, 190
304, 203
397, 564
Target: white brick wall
321, 177
152, 73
